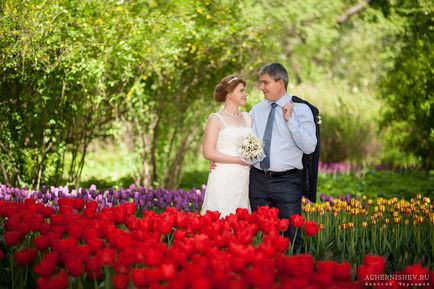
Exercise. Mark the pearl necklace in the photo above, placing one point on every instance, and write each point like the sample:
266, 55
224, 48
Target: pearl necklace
235, 115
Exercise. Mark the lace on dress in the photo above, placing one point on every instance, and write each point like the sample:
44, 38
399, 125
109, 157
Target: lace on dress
227, 121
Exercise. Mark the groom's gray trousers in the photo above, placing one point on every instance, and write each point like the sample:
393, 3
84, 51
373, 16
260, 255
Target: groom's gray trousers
282, 191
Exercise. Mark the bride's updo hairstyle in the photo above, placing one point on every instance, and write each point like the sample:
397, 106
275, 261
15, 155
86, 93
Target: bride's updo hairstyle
227, 85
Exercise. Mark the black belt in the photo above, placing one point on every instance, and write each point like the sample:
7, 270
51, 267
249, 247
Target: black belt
276, 174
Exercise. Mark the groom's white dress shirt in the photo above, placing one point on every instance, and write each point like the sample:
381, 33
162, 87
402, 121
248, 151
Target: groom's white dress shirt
290, 139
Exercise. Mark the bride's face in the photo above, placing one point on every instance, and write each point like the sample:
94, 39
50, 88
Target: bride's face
238, 95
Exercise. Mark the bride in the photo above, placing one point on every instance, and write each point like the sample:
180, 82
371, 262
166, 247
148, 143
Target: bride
228, 182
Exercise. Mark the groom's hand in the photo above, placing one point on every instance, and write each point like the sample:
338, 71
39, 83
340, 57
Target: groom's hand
287, 110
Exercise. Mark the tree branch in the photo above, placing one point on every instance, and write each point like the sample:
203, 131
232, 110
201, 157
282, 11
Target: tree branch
351, 11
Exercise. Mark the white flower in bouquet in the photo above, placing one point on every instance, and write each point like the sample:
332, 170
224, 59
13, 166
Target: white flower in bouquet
251, 149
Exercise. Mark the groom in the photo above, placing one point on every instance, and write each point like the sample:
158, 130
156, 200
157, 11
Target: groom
288, 131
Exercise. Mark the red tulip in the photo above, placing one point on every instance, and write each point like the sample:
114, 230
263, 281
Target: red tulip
214, 215
153, 256
364, 272
124, 241
377, 263
78, 204
238, 264
165, 225
25, 256
241, 213
75, 230
323, 279
64, 245
179, 257
66, 209
89, 212
121, 269
168, 271
180, 235
120, 281
59, 281
201, 282
297, 221
325, 267
196, 223
130, 208
302, 265
36, 222
280, 243
93, 267
127, 257
95, 245
75, 267
106, 256
92, 205
283, 225
310, 228
45, 229
47, 211
181, 220
12, 238
47, 266
2, 255
42, 283
56, 220
139, 278
29, 202
13, 222
342, 272
83, 252
258, 278
222, 240
89, 234
416, 270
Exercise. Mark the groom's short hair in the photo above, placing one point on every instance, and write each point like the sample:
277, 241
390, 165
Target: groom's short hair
276, 71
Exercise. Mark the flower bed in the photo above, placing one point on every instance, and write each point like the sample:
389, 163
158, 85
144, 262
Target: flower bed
400, 230
79, 242
145, 199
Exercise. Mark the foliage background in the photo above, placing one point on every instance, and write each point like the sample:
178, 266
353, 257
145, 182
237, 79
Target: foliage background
119, 91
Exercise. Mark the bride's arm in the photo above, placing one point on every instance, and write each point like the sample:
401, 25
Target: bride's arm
209, 145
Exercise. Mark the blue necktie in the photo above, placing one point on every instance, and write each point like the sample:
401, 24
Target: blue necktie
265, 163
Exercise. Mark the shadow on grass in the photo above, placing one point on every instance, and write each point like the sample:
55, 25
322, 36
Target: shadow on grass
193, 179
106, 183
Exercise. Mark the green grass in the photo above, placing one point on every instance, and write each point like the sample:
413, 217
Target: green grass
107, 165
386, 184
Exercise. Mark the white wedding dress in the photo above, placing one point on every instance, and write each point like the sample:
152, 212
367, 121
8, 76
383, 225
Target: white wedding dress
228, 184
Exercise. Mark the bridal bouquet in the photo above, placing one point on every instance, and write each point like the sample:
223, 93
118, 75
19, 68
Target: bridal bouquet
251, 149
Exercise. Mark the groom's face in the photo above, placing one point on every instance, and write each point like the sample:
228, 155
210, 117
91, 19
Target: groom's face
272, 89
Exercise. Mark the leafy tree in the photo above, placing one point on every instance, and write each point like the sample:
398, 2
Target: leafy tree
163, 112
69, 68
408, 86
